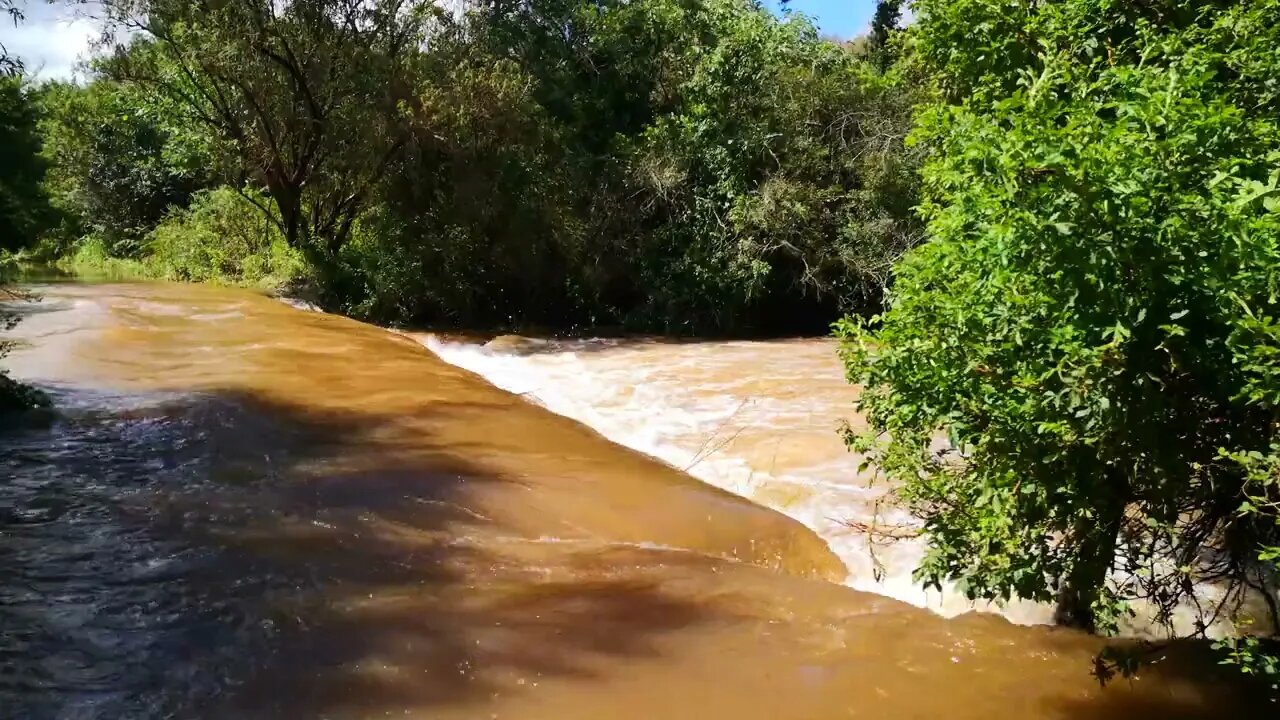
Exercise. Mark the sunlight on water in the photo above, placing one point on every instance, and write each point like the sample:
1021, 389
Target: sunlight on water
759, 419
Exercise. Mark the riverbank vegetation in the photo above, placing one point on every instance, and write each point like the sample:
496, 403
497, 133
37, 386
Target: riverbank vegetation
24, 212
1092, 322
1082, 231
686, 167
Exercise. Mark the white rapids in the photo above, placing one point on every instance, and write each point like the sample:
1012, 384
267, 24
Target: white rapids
756, 418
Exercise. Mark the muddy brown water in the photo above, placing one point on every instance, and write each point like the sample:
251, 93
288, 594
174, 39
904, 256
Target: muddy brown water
246, 510
759, 418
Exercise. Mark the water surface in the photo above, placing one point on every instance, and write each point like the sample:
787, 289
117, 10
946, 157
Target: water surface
250, 511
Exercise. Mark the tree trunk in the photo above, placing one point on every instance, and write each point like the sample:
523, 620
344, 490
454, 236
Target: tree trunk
1095, 555
288, 202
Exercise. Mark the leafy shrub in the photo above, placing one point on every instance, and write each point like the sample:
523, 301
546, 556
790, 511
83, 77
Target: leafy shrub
222, 236
115, 168
1093, 323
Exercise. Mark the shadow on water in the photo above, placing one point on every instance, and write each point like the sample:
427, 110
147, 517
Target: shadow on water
223, 556
1182, 665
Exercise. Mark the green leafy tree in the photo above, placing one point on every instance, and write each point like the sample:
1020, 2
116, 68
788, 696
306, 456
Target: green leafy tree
1093, 322
304, 94
781, 174
475, 225
738, 171
657, 164
24, 213
884, 24
24, 206
116, 164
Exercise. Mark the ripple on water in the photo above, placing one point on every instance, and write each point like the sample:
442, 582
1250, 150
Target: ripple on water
107, 608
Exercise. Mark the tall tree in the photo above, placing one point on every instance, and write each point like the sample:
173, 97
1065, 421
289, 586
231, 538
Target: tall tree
24, 206
886, 20
304, 93
24, 212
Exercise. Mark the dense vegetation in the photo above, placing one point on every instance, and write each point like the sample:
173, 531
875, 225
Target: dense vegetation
665, 164
24, 211
1092, 323
1093, 320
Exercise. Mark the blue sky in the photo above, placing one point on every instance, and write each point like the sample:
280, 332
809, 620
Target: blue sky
51, 39
842, 18
55, 36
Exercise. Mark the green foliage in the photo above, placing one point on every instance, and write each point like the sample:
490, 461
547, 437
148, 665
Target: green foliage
659, 164
115, 170
884, 25
24, 207
1092, 325
304, 95
91, 258
778, 173
474, 227
222, 236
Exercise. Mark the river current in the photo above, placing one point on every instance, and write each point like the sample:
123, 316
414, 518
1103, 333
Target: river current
245, 510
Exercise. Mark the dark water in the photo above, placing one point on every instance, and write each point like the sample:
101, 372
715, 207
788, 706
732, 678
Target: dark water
107, 606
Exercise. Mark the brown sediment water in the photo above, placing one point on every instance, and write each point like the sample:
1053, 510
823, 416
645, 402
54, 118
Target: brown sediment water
759, 418
246, 510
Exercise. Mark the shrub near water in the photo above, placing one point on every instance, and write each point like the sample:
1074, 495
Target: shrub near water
221, 236
1094, 320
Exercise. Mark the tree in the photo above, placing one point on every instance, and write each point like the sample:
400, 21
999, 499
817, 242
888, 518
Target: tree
660, 164
304, 93
883, 24
10, 66
1093, 323
24, 207
476, 225
739, 166
24, 212
116, 165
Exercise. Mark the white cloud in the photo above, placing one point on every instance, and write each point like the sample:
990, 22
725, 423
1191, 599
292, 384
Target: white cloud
51, 40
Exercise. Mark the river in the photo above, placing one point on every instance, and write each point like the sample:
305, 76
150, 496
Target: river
760, 419
246, 510
757, 418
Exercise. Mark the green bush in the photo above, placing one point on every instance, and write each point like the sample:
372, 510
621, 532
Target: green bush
1093, 323
91, 257
222, 237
